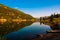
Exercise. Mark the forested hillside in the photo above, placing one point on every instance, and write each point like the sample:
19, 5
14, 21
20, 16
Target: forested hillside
9, 14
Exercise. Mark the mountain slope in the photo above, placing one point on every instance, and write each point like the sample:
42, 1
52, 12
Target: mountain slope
7, 12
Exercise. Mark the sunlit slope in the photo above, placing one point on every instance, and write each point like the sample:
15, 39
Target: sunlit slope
13, 15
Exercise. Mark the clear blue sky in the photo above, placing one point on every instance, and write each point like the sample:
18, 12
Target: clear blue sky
35, 8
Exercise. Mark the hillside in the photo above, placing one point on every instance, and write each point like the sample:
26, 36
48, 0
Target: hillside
12, 14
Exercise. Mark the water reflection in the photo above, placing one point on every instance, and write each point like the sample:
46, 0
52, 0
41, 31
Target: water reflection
54, 26
28, 32
11, 27
22, 31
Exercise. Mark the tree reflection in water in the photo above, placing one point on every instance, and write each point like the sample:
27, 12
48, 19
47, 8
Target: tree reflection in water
6, 28
54, 26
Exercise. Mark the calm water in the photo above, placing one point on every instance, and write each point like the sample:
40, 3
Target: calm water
28, 32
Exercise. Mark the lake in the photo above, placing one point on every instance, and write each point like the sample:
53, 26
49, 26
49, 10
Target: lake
28, 31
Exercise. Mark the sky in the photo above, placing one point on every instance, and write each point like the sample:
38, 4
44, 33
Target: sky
36, 8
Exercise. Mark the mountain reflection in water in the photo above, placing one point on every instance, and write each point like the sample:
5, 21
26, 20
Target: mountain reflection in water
11, 27
23, 30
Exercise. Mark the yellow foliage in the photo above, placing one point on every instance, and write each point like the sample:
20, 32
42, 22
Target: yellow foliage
24, 20
3, 20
